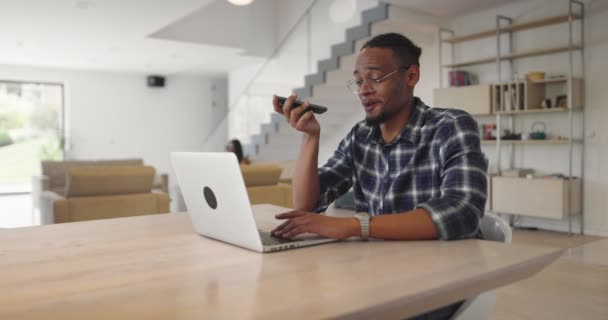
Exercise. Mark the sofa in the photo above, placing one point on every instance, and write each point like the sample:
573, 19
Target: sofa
53, 176
264, 185
103, 192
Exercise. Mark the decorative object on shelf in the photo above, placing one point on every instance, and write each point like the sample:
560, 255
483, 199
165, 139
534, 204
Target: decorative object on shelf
538, 131
460, 78
489, 131
561, 101
518, 173
535, 76
546, 104
510, 136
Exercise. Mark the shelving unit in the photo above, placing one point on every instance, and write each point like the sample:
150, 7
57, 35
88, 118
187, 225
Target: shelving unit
520, 98
533, 142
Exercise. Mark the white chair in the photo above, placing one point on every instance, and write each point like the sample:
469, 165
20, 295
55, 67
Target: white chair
492, 228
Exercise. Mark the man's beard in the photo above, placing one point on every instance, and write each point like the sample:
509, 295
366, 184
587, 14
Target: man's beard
379, 119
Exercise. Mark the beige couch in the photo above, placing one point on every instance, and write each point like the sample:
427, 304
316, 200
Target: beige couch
103, 192
53, 177
263, 185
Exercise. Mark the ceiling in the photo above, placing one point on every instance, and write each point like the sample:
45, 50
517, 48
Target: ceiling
108, 35
134, 35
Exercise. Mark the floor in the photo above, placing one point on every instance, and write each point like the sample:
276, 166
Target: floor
16, 211
570, 288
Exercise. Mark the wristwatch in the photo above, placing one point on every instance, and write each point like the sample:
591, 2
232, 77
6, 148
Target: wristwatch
364, 219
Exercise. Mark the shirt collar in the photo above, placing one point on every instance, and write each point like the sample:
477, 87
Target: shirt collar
411, 131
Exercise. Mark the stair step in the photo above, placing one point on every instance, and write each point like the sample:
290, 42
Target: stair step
358, 32
378, 13
334, 92
286, 129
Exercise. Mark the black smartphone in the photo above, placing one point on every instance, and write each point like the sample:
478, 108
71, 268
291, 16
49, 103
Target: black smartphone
315, 108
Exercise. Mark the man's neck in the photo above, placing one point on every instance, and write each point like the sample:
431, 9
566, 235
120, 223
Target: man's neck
393, 126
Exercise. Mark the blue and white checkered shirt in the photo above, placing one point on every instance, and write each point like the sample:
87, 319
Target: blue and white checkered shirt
435, 163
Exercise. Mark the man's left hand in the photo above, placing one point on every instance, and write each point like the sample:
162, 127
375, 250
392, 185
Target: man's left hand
329, 227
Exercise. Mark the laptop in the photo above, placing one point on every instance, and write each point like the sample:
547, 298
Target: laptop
216, 198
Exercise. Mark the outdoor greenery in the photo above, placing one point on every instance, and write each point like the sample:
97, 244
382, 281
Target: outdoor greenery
5, 139
30, 129
20, 161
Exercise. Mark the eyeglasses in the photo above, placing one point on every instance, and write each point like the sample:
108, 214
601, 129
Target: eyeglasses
354, 85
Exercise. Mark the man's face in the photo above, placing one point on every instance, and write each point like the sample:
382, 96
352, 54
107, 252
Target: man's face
381, 100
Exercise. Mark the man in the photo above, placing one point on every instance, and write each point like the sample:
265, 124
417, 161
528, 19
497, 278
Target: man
417, 173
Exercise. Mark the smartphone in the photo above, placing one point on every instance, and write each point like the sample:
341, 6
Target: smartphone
312, 107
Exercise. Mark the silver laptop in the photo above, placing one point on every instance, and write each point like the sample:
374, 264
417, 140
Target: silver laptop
218, 204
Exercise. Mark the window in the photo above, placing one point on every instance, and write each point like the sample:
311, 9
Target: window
31, 130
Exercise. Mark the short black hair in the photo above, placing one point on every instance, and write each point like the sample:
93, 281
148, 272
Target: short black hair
238, 149
404, 49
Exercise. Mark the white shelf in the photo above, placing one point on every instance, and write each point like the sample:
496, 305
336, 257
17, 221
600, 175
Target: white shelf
540, 110
513, 28
532, 142
517, 55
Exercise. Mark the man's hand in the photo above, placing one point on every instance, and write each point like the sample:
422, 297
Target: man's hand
329, 227
304, 122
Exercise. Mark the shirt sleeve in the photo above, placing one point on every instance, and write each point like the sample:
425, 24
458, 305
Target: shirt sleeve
336, 176
460, 206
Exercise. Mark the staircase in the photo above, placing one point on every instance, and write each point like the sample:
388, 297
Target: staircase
278, 141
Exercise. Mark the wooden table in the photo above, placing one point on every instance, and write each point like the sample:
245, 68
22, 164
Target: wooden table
156, 267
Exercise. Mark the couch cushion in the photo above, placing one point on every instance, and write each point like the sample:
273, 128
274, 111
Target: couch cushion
115, 206
261, 174
56, 170
106, 180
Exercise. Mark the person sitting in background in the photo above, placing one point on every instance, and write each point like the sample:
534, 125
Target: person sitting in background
235, 146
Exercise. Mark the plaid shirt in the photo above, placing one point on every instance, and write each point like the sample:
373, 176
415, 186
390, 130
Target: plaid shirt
435, 163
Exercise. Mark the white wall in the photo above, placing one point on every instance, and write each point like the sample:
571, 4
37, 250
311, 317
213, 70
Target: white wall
115, 115
550, 159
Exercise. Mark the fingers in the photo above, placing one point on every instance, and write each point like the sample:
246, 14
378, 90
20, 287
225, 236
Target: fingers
294, 232
294, 218
287, 106
302, 121
277, 106
296, 113
291, 228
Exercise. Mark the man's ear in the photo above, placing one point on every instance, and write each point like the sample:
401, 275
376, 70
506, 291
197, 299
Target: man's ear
413, 75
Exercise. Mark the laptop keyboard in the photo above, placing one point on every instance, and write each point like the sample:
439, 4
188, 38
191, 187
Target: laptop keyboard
269, 240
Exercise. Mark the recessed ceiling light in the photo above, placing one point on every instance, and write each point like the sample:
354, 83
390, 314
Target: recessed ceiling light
240, 2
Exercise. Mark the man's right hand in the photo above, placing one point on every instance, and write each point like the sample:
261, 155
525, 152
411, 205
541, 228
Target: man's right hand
303, 122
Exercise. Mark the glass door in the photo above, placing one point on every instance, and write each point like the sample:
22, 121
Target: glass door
31, 130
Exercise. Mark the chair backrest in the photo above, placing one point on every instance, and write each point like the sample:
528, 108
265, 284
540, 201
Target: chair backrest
108, 180
495, 228
57, 170
261, 174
